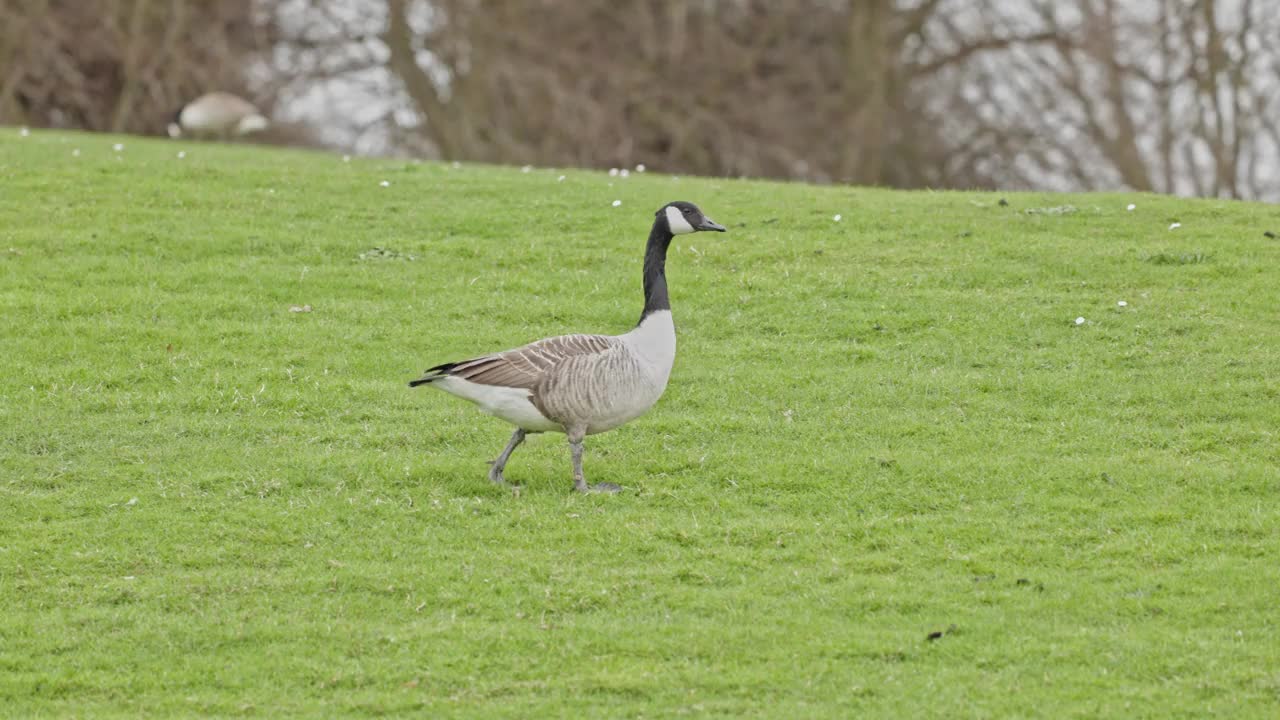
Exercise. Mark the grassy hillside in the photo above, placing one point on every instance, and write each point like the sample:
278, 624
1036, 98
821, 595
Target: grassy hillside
892, 474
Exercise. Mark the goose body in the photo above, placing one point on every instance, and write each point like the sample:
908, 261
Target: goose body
598, 381
217, 114
581, 384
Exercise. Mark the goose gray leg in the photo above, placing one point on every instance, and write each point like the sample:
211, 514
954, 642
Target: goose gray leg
579, 482
495, 472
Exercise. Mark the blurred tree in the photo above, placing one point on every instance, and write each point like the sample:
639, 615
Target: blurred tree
1175, 96
1172, 96
122, 65
816, 89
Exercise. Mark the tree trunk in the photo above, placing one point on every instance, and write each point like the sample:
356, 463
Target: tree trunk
869, 65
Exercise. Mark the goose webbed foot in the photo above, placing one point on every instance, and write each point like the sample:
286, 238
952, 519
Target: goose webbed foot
603, 488
495, 475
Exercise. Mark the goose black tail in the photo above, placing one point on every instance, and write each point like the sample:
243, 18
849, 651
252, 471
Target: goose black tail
433, 374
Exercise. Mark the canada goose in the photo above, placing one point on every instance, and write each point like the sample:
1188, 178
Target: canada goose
217, 114
581, 384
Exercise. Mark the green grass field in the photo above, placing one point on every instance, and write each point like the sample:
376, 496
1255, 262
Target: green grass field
878, 429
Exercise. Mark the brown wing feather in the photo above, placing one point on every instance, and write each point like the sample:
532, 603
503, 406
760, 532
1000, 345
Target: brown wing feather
232, 104
524, 366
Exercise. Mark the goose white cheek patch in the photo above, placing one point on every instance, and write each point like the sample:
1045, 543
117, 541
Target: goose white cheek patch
677, 223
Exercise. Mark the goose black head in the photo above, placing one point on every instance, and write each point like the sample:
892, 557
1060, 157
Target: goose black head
685, 217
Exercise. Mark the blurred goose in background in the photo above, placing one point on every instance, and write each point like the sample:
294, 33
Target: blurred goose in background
217, 114
581, 385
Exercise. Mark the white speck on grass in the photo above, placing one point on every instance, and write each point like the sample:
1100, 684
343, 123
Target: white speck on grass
1131, 207
129, 577
617, 203
560, 179
132, 501
346, 158
1080, 321
118, 147
526, 168
624, 173
613, 172
75, 153
1175, 226
455, 165
836, 217
384, 183
24, 131
182, 154
1123, 304
640, 167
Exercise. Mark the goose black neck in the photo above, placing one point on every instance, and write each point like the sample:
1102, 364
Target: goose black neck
655, 270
